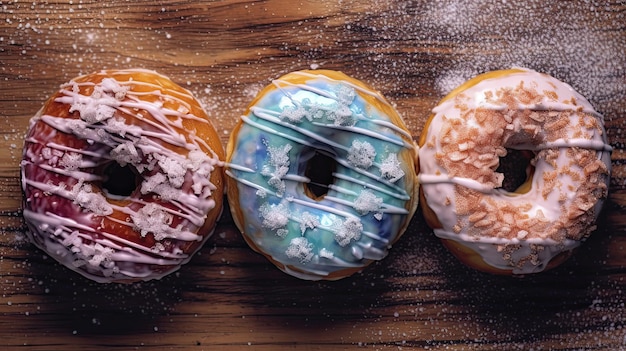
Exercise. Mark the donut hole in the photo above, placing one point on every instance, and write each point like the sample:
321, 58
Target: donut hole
319, 169
517, 170
120, 181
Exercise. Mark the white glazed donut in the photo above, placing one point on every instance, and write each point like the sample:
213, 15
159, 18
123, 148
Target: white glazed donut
121, 176
321, 130
523, 230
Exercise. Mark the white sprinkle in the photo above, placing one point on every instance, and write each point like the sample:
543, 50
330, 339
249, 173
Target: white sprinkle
324, 253
367, 202
361, 154
293, 114
274, 216
125, 153
301, 249
175, 170
349, 230
277, 166
94, 202
71, 161
152, 218
390, 168
308, 220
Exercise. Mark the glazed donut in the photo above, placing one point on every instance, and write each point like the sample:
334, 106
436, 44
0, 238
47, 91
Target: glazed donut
537, 225
321, 174
122, 174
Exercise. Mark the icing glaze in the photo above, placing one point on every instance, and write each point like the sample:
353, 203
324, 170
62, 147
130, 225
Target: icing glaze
460, 150
136, 119
370, 199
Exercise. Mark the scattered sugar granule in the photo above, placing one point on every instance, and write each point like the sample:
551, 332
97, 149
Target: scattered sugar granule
343, 116
151, 183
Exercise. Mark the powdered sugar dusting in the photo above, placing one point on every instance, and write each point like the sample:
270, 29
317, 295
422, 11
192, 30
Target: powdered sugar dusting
525, 35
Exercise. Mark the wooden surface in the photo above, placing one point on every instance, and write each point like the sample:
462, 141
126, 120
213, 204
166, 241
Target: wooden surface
229, 298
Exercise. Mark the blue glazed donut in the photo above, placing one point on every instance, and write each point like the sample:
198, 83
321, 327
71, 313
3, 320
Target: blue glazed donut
322, 174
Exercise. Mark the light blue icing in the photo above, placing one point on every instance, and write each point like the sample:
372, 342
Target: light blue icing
364, 209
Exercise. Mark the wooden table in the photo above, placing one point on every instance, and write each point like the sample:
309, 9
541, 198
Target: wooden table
229, 298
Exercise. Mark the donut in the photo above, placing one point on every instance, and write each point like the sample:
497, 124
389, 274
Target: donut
122, 175
321, 174
555, 139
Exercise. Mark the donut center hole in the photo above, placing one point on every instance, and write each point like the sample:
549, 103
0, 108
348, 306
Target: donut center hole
516, 168
319, 169
120, 181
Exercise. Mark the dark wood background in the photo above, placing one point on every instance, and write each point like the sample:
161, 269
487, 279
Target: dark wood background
229, 298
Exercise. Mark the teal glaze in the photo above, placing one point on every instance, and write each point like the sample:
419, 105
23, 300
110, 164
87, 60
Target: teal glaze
327, 116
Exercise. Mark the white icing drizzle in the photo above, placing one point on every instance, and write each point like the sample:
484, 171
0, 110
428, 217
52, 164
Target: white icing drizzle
369, 133
597, 145
465, 182
170, 205
396, 129
545, 203
348, 141
310, 137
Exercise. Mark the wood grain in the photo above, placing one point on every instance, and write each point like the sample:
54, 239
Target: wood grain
229, 298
